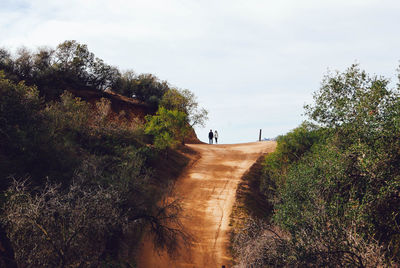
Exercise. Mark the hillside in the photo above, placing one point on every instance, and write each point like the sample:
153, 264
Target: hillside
86, 159
130, 109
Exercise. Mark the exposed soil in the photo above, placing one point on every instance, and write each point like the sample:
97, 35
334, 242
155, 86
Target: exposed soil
130, 108
208, 188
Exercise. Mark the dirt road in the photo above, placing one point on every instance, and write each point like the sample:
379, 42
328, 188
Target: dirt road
208, 188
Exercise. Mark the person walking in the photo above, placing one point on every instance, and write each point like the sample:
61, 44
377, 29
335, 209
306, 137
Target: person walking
216, 136
210, 136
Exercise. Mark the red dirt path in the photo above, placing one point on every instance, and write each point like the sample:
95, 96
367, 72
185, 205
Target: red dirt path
208, 188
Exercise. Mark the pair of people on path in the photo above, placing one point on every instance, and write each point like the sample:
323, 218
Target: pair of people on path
212, 135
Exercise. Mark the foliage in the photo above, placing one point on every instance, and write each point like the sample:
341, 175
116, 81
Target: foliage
169, 127
349, 98
149, 89
87, 172
368, 139
19, 106
75, 61
259, 245
291, 147
89, 182
84, 224
72, 66
61, 230
336, 184
177, 113
144, 87
185, 101
70, 114
25, 145
262, 245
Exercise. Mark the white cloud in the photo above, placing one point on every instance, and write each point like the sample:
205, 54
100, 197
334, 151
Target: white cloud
250, 62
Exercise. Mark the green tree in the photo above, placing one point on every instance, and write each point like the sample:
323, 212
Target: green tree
185, 101
23, 64
169, 127
70, 66
361, 114
126, 84
143, 87
80, 69
352, 98
336, 184
149, 89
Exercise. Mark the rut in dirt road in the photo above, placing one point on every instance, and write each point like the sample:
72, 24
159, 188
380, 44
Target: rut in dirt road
208, 188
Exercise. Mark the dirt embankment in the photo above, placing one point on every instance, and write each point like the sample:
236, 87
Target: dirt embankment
130, 108
208, 188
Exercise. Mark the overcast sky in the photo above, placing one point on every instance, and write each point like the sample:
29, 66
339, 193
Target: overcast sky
253, 64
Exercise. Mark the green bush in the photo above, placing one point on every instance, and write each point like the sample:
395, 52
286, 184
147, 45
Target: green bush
291, 147
144, 87
336, 183
169, 127
185, 101
27, 148
88, 182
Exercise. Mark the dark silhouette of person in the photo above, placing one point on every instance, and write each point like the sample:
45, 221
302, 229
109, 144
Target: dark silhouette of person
210, 136
216, 136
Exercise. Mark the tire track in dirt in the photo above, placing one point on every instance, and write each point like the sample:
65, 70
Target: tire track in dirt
208, 188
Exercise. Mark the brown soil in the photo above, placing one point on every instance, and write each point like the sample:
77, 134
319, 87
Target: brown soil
132, 109
208, 188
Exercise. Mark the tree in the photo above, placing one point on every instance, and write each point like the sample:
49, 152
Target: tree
185, 101
79, 68
143, 87
101, 75
5, 59
125, 84
149, 89
169, 127
90, 176
336, 183
352, 97
23, 65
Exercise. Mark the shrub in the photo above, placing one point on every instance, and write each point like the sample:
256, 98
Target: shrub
169, 127
262, 245
291, 147
185, 101
57, 229
26, 147
336, 184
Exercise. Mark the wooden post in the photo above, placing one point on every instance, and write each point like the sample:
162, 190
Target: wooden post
259, 137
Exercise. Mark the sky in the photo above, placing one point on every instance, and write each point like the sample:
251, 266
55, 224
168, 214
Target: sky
253, 64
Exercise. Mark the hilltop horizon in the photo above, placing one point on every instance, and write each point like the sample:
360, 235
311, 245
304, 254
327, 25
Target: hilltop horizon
252, 64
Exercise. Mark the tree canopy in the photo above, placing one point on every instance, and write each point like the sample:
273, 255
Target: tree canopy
169, 127
72, 66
